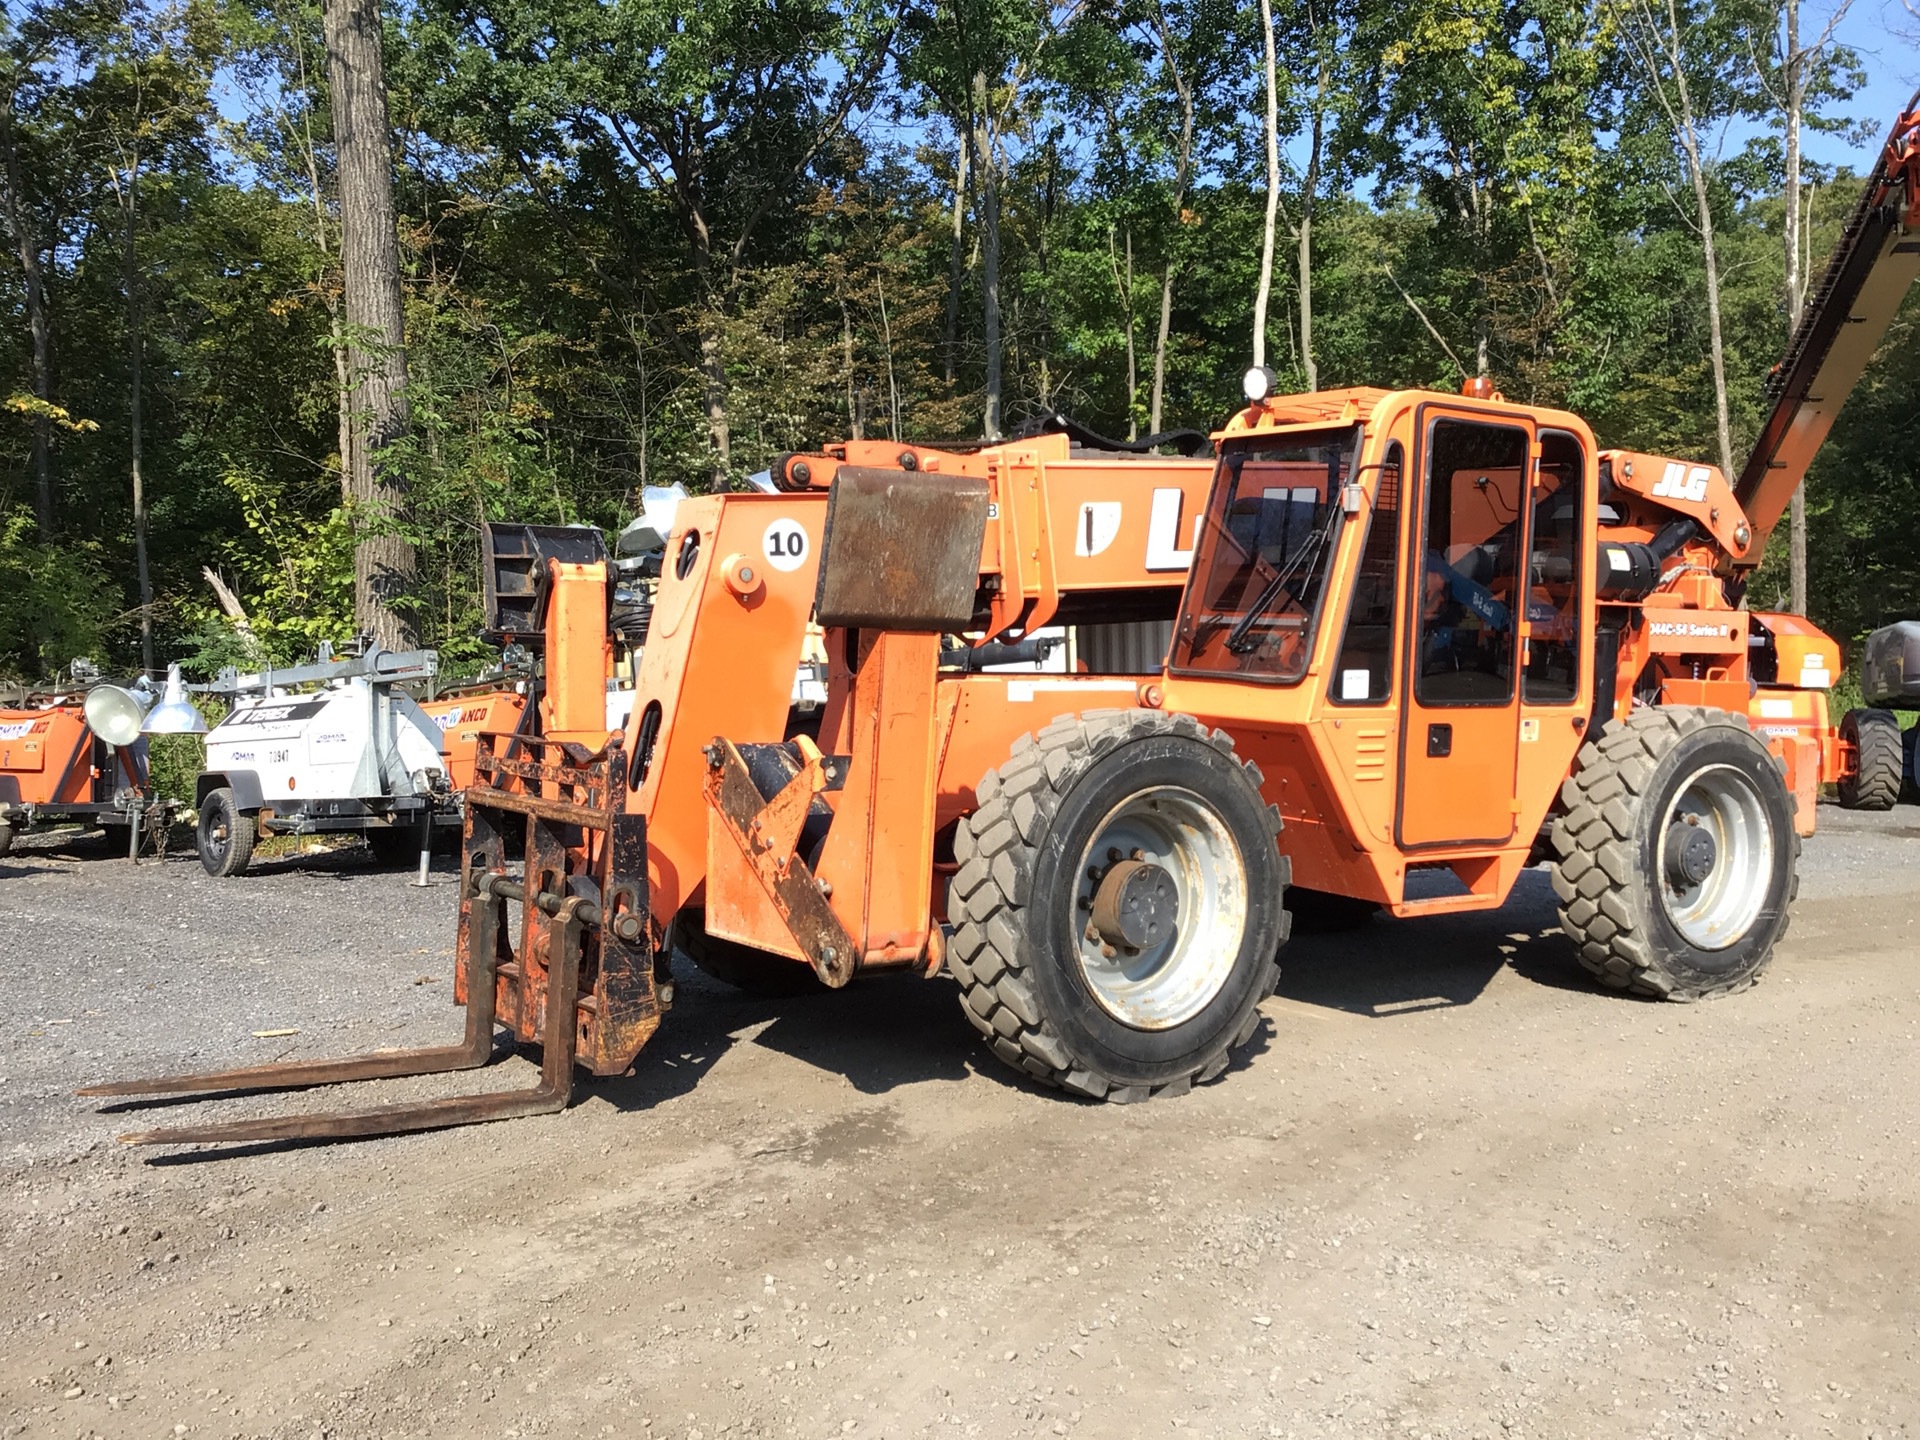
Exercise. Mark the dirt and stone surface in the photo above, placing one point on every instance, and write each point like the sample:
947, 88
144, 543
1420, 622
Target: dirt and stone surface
1453, 1192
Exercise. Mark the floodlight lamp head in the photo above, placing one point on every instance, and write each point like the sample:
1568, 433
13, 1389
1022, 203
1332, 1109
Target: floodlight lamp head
175, 714
1257, 383
116, 714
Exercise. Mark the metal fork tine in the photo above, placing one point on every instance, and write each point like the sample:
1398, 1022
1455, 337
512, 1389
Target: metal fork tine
376, 1120
552, 1093
303, 1074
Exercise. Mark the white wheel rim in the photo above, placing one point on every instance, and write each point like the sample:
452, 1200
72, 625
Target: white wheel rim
1166, 983
1721, 907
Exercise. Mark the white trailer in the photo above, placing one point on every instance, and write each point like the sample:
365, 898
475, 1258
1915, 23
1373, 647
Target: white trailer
331, 746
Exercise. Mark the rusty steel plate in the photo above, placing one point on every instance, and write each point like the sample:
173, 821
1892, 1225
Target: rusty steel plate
902, 550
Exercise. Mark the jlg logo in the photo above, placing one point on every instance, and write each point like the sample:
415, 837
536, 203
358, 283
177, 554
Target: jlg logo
1681, 483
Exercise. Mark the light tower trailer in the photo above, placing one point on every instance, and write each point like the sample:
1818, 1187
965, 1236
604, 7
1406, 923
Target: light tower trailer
331, 746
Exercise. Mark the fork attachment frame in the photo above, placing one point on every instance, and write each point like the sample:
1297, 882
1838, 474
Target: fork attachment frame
585, 935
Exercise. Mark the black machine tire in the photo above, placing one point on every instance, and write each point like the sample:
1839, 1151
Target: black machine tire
1028, 983
742, 966
1909, 789
224, 835
1875, 782
6, 839
1633, 899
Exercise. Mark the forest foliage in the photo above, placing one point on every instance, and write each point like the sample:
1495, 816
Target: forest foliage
645, 242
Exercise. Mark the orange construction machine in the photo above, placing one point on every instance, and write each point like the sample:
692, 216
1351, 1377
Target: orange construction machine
463, 718
1389, 647
76, 755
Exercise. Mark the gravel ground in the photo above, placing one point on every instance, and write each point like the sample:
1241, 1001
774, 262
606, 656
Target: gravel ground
1456, 1193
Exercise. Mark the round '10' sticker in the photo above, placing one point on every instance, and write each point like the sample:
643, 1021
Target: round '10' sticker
786, 544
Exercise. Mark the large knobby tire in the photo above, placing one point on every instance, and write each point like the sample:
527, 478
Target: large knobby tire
758, 972
1909, 777
1678, 862
225, 835
1875, 781
1147, 825
6, 840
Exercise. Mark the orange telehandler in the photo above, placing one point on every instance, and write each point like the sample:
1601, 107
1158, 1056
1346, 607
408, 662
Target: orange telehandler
1390, 647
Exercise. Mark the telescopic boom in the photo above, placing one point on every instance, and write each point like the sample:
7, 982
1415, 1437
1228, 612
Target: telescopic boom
1845, 319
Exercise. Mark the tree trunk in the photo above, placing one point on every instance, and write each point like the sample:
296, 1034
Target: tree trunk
886, 340
713, 391
1265, 291
343, 400
1307, 194
1179, 212
1123, 282
136, 358
27, 244
855, 429
987, 184
383, 559
956, 259
1659, 46
1709, 250
1794, 97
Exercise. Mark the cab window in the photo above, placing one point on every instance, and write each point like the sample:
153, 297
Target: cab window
1267, 543
1363, 673
1558, 554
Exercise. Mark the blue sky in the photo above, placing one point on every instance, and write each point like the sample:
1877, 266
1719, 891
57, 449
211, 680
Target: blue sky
1885, 35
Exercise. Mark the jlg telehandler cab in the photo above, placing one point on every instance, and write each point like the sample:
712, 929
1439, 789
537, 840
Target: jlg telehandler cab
1394, 647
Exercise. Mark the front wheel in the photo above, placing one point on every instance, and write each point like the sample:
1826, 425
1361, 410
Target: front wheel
1678, 860
225, 835
1118, 905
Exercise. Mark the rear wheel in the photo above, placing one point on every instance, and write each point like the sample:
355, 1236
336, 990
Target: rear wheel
6, 839
1678, 860
1909, 778
225, 835
1118, 905
1875, 781
758, 972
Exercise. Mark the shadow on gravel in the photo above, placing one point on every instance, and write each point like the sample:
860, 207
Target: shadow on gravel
1394, 967
879, 1034
354, 862
897, 1030
13, 870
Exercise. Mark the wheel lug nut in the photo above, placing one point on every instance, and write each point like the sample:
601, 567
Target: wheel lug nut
1113, 853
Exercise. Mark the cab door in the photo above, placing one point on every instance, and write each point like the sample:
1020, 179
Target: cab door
1459, 744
